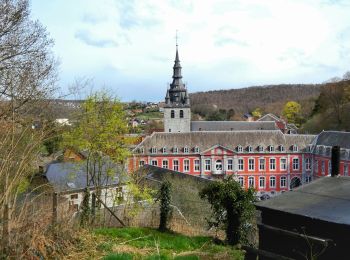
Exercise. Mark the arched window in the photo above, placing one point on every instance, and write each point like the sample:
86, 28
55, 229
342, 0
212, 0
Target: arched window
172, 113
181, 114
218, 165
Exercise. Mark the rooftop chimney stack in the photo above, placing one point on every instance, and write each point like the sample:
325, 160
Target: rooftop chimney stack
335, 160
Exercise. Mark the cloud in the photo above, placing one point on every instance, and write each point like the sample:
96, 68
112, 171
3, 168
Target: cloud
93, 18
89, 39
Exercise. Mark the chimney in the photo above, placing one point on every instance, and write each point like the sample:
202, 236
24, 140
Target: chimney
335, 160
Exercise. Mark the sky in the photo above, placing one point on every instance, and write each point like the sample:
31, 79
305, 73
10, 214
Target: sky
128, 46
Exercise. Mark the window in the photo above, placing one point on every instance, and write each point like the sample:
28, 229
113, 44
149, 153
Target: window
239, 149
262, 164
186, 150
153, 150
251, 182
196, 165
272, 164
281, 148
229, 164
283, 183
308, 179
165, 164
260, 148
141, 163
271, 148
207, 165
74, 196
169, 130
251, 164
154, 163
196, 149
308, 164
295, 163
181, 114
295, 148
240, 164
261, 182
272, 182
329, 168
241, 181
142, 150
172, 114
164, 150
218, 165
323, 167
283, 164
175, 150
176, 165
346, 170
249, 149
186, 165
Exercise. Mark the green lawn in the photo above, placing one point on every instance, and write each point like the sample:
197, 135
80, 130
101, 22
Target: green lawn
146, 243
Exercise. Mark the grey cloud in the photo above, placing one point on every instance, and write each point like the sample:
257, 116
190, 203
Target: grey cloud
86, 37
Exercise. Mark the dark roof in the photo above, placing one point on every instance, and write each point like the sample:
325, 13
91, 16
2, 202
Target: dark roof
157, 174
69, 176
230, 139
269, 117
232, 125
334, 138
326, 199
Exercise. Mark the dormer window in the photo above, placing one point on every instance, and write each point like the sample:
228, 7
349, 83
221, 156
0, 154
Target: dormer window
260, 148
164, 149
141, 150
239, 148
175, 150
271, 148
186, 149
249, 149
196, 149
153, 150
282, 148
295, 148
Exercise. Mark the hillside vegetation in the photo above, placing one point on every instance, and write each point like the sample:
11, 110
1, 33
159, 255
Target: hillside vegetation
270, 99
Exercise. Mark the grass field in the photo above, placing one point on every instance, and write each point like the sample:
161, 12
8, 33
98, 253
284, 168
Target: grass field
150, 115
146, 243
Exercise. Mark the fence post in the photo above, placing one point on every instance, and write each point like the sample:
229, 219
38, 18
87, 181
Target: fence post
6, 229
54, 208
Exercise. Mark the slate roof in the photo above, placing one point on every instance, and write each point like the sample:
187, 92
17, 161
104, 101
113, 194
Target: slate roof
269, 117
232, 125
326, 199
229, 139
333, 138
70, 176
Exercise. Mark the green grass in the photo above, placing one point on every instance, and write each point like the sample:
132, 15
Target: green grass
161, 245
150, 115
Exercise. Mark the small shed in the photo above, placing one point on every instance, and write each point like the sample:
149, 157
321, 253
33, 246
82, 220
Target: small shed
312, 221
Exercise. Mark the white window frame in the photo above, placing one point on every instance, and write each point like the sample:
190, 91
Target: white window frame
240, 164
308, 164
282, 149
165, 164
142, 150
329, 167
176, 165
295, 148
285, 164
197, 164
260, 148
186, 165
262, 178
294, 164
175, 150
241, 181
249, 182
164, 149
196, 149
207, 165
239, 149
271, 148
141, 163
270, 164
262, 164
250, 148
229, 164
154, 150
346, 169
186, 149
323, 167
283, 182
251, 167
272, 182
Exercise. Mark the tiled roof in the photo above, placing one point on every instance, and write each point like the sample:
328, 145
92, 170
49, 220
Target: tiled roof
229, 139
232, 125
333, 138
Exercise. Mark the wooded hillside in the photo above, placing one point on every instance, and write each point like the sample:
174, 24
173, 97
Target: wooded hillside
270, 99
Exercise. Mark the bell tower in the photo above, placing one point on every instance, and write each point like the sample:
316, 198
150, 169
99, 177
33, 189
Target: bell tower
177, 110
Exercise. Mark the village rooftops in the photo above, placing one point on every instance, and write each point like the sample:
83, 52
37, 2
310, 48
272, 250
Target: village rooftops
333, 138
326, 199
71, 176
203, 140
232, 125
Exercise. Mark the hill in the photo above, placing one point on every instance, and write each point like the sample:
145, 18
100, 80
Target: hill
270, 99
